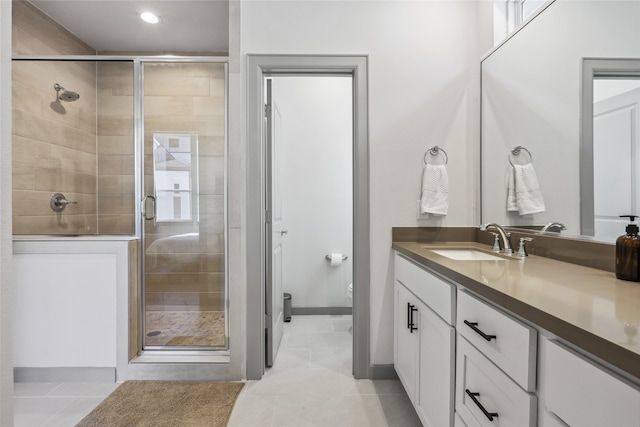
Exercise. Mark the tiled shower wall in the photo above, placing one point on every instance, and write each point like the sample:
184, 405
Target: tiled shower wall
186, 271
54, 143
82, 149
116, 165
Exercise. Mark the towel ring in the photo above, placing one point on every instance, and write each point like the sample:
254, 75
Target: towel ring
434, 151
515, 152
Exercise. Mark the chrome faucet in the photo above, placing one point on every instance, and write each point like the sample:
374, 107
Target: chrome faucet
554, 226
506, 245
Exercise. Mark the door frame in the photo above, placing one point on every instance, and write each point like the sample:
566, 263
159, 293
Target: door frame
257, 67
592, 68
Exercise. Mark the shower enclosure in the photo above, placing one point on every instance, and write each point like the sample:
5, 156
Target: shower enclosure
132, 146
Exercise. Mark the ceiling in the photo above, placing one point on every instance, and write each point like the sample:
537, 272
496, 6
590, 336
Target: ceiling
115, 26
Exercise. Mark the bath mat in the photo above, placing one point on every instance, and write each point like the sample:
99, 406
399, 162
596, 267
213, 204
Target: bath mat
166, 403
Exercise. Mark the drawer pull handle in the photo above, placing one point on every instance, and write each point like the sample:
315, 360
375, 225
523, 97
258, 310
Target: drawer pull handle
413, 326
474, 326
489, 415
410, 325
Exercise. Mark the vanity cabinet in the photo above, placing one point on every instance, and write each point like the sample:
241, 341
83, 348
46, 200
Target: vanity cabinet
424, 343
508, 367
578, 393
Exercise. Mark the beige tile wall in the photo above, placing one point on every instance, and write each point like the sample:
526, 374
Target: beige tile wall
83, 149
187, 273
54, 142
116, 165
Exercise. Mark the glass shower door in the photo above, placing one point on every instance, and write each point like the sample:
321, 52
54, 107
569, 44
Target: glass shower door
185, 292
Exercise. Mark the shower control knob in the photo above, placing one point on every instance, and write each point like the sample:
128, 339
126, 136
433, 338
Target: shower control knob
59, 202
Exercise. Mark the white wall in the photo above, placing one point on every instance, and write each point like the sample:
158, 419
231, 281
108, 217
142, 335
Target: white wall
316, 144
6, 365
607, 88
423, 91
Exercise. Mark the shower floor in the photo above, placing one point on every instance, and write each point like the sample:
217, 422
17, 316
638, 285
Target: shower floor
185, 328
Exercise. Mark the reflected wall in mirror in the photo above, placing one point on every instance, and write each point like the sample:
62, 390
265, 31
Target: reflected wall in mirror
531, 93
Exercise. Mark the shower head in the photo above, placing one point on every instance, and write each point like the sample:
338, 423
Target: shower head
66, 95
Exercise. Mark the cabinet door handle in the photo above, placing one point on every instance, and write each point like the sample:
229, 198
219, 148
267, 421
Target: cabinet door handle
408, 315
472, 395
474, 326
413, 326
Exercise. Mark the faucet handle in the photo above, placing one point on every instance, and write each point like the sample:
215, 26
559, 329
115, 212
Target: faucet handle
496, 242
521, 250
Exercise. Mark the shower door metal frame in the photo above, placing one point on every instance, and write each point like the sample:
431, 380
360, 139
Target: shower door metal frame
138, 135
140, 197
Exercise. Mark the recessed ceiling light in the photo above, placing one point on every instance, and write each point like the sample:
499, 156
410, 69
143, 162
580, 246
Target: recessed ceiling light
149, 17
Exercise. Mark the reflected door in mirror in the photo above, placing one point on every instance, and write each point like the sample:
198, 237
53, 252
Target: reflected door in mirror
616, 155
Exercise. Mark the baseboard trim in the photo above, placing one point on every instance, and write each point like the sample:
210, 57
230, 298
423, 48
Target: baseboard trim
64, 374
305, 311
382, 372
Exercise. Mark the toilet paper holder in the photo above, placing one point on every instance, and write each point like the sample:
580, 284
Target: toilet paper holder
344, 257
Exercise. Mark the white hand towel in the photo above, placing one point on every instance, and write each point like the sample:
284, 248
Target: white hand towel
435, 190
512, 205
528, 195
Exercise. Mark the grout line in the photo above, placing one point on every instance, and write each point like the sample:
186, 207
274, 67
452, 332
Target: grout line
48, 394
273, 414
62, 410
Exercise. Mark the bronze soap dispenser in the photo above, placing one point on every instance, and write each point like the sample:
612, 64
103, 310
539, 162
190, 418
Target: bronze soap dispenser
628, 252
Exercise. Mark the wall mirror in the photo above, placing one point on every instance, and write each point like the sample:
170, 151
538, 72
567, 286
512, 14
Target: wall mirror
532, 94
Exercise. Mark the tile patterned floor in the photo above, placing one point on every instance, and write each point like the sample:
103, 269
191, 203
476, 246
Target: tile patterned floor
55, 404
309, 385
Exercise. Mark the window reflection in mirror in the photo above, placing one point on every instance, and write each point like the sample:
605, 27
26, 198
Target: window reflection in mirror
175, 171
509, 15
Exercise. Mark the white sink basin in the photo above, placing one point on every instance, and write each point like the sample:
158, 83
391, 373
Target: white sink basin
467, 255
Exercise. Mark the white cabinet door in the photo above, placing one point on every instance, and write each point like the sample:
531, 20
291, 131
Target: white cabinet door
581, 394
405, 351
437, 364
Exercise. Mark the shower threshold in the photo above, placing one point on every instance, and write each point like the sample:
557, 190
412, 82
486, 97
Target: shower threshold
182, 356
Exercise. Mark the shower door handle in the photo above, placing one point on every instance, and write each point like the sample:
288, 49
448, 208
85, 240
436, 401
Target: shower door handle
144, 207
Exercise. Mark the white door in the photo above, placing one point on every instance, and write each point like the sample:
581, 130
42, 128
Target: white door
274, 304
616, 142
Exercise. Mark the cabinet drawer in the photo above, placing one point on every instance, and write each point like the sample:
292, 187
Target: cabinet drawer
435, 292
581, 394
511, 345
492, 389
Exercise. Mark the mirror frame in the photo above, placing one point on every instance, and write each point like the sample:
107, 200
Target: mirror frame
592, 68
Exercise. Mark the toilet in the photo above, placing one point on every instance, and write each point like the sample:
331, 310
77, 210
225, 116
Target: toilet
350, 293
